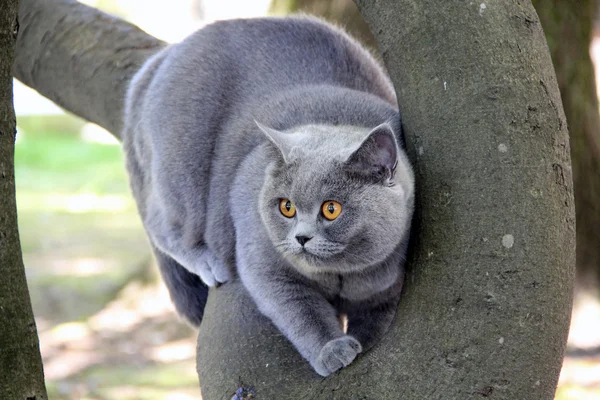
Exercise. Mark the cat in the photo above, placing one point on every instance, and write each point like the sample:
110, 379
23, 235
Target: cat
270, 150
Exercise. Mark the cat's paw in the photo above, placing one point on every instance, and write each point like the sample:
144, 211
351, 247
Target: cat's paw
337, 354
210, 269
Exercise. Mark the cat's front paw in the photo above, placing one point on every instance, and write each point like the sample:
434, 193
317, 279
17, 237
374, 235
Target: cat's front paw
337, 354
211, 270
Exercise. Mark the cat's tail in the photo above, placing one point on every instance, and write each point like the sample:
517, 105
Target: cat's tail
187, 290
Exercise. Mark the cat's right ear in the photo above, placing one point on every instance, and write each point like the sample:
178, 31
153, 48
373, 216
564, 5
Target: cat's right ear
280, 139
376, 156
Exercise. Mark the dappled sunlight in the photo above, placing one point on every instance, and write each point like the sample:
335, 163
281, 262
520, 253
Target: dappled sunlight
575, 391
137, 331
67, 349
175, 351
584, 371
69, 363
72, 331
73, 266
180, 396
80, 266
135, 304
580, 374
42, 324
585, 321
137, 392
595, 56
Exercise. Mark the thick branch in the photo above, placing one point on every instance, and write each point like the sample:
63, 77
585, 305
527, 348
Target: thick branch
487, 301
80, 58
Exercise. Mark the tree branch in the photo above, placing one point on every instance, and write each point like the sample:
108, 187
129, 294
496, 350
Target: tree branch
80, 57
487, 300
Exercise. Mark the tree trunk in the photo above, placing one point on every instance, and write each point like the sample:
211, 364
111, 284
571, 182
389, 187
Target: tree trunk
487, 301
568, 27
21, 373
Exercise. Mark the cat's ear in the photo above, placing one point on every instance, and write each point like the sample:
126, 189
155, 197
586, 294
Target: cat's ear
376, 156
280, 139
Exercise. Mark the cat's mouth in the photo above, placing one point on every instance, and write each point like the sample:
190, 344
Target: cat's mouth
311, 256
320, 252
316, 255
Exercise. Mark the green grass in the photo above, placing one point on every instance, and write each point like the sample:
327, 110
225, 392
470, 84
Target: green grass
75, 208
57, 162
150, 382
174, 375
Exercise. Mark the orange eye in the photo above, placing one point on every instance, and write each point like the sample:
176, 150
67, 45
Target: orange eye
331, 209
287, 208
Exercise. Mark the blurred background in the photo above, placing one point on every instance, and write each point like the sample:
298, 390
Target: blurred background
107, 328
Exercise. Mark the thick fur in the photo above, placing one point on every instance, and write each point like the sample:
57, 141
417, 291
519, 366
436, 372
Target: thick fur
243, 113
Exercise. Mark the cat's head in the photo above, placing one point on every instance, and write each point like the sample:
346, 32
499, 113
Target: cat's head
336, 198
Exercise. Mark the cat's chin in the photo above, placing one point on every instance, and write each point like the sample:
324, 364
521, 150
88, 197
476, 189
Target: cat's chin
309, 264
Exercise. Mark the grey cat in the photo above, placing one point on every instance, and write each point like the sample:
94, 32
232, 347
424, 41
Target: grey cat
270, 150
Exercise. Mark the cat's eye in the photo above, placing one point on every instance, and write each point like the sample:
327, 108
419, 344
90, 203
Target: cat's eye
331, 209
287, 208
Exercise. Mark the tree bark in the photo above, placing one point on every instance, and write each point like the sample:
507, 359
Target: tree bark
80, 58
21, 373
487, 301
568, 27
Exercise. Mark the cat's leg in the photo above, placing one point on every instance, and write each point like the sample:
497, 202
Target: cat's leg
305, 318
197, 258
369, 324
210, 267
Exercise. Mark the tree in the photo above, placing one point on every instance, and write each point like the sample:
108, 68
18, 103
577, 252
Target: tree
487, 300
21, 374
568, 27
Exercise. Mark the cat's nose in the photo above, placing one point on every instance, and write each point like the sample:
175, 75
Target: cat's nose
303, 239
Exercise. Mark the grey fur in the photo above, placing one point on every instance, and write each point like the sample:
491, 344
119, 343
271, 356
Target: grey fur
243, 113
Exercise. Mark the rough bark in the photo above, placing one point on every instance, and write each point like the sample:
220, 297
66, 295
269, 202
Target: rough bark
568, 27
21, 374
486, 307
80, 58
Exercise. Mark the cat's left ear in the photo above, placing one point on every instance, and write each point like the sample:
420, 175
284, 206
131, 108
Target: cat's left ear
283, 141
376, 156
